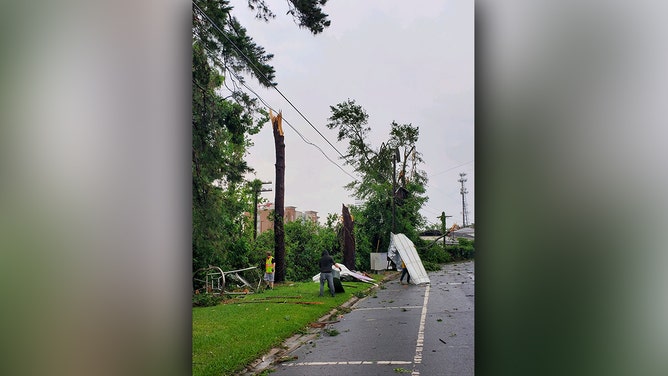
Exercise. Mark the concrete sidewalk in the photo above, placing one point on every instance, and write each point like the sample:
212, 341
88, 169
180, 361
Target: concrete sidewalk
427, 329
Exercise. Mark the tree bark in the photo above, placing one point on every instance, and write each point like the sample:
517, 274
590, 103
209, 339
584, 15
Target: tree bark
348, 240
279, 211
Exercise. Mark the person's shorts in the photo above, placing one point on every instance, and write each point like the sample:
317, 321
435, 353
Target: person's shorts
269, 277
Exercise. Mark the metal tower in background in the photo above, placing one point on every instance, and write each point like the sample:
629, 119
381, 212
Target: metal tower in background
463, 192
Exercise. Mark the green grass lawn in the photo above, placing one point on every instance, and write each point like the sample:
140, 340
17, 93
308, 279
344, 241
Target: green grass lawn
229, 336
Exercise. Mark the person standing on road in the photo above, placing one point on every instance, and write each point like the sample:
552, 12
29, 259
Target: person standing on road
404, 272
326, 262
269, 269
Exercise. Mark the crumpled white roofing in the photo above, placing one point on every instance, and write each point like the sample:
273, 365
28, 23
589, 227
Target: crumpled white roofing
347, 272
403, 248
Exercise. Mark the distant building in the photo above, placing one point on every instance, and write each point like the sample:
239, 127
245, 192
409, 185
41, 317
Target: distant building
264, 223
311, 215
290, 214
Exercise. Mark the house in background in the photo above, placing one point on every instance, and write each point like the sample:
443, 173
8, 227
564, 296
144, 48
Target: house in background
465, 232
454, 233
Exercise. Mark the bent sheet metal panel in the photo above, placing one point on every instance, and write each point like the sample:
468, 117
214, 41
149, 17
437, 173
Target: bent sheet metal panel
347, 272
403, 248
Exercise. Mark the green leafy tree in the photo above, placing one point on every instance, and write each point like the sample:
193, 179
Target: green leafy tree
223, 54
220, 131
307, 13
333, 221
304, 243
302, 247
386, 184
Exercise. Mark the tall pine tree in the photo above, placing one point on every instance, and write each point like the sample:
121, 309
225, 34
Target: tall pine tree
223, 52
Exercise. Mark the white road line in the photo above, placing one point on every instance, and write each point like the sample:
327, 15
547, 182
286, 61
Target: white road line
375, 308
420, 340
417, 359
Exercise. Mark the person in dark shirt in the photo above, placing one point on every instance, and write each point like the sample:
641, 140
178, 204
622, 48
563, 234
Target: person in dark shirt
326, 262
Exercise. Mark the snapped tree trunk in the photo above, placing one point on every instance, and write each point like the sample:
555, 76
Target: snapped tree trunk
279, 232
348, 240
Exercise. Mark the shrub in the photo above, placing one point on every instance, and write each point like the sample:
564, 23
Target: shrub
464, 250
206, 300
433, 255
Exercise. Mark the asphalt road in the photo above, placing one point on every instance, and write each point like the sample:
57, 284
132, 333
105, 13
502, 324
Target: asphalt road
401, 329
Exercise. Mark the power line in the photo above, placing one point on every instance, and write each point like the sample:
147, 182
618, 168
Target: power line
452, 168
224, 66
258, 71
427, 186
429, 209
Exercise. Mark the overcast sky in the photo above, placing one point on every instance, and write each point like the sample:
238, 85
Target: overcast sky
401, 61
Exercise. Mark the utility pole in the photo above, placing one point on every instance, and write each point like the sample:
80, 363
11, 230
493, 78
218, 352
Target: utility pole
396, 158
257, 188
442, 217
463, 192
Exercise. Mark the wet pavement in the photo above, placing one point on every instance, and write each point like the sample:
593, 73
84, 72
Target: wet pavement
397, 329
